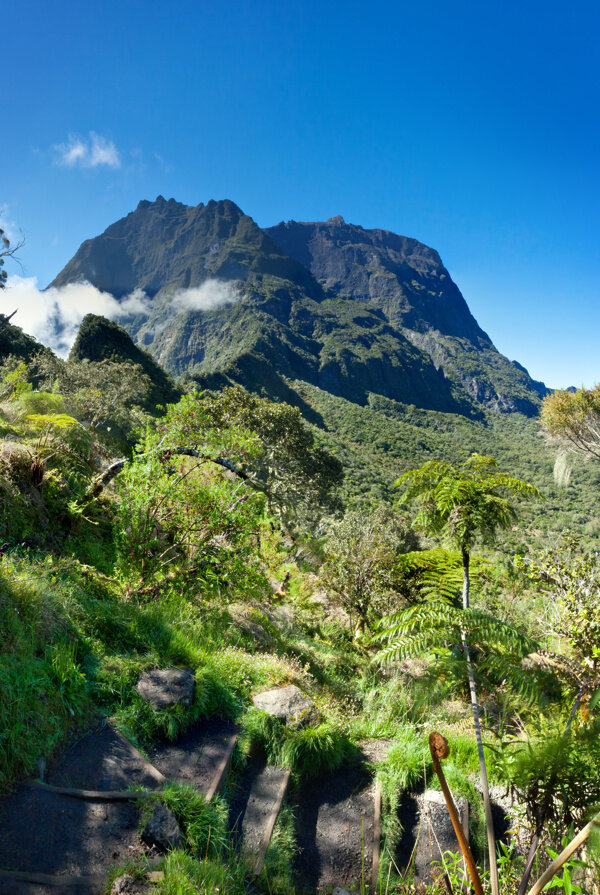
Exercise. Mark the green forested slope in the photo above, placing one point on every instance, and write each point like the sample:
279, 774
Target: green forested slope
379, 441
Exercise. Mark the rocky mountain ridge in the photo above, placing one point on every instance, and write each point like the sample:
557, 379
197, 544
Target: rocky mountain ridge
352, 311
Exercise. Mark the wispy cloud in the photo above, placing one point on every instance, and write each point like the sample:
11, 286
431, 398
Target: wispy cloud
211, 294
53, 316
94, 151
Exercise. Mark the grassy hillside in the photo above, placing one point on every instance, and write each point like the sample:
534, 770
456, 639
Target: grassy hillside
180, 560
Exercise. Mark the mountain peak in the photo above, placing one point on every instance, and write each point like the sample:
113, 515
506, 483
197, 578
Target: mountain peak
348, 309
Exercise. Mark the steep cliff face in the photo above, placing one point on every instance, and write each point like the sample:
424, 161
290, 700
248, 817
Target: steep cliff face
402, 277
352, 311
407, 281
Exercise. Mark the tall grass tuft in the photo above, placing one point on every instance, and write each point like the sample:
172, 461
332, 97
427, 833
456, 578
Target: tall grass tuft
183, 875
316, 750
308, 752
204, 824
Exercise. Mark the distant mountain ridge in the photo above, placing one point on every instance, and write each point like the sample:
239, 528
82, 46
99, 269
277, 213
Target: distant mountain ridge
352, 311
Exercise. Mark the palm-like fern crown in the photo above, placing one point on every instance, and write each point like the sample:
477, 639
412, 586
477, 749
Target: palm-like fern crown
439, 625
463, 503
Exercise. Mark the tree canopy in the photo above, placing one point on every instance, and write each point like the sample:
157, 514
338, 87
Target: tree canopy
268, 441
573, 419
363, 555
464, 503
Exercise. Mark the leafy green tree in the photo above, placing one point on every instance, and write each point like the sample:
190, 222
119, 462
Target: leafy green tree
463, 505
266, 442
570, 576
573, 420
180, 520
362, 565
105, 396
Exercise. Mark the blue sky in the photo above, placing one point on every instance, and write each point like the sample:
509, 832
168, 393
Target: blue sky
471, 126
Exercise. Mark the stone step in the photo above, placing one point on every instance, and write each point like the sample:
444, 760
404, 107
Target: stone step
201, 756
254, 813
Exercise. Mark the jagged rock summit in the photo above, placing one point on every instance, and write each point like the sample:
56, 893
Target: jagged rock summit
352, 311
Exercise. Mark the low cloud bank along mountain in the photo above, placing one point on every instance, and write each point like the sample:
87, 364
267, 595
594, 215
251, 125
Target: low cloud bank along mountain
53, 316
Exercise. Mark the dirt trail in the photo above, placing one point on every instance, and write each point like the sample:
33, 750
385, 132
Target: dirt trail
335, 829
197, 755
42, 832
46, 833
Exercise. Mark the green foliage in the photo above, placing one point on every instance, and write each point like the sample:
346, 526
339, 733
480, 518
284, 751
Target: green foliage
42, 686
548, 768
570, 577
465, 503
437, 574
363, 558
315, 751
407, 762
184, 875
106, 396
308, 752
204, 824
15, 380
385, 438
564, 880
572, 419
176, 517
100, 341
438, 628
277, 449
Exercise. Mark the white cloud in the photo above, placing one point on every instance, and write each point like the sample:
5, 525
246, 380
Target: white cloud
53, 316
211, 294
92, 152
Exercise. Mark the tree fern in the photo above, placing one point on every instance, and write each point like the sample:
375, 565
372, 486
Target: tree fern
462, 504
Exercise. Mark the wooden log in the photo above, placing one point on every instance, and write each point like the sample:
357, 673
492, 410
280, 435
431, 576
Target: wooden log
268, 832
95, 795
221, 772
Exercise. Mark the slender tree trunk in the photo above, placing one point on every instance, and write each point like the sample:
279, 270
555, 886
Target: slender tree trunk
482, 766
466, 579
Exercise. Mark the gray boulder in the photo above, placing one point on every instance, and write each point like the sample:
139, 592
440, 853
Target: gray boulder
128, 885
165, 687
289, 704
162, 829
435, 832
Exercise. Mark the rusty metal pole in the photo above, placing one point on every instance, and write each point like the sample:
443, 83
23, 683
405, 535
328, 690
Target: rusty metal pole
439, 749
